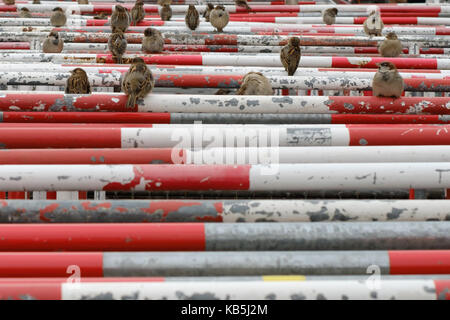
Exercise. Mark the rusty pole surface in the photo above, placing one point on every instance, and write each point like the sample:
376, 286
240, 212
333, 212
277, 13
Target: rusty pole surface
226, 211
221, 81
279, 236
273, 177
30, 101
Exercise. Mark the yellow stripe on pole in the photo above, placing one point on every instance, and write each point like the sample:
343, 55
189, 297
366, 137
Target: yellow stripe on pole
284, 278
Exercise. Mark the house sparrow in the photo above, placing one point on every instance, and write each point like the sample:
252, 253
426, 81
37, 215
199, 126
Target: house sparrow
137, 12
210, 7
117, 44
373, 25
9, 2
120, 18
101, 16
387, 82
153, 41
192, 17
137, 82
36, 1
165, 12
223, 92
53, 43
219, 18
329, 16
255, 84
391, 46
83, 1
24, 13
290, 55
78, 82
58, 17
242, 3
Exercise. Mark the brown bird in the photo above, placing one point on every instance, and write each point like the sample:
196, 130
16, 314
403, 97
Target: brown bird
163, 2
25, 13
255, 84
9, 2
242, 3
58, 17
137, 12
192, 17
36, 1
53, 43
219, 18
101, 16
120, 18
137, 82
117, 44
391, 46
387, 82
165, 12
209, 7
153, 41
290, 55
78, 82
329, 16
83, 1
223, 92
373, 25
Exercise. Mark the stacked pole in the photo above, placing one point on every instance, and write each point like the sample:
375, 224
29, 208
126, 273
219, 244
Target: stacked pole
189, 194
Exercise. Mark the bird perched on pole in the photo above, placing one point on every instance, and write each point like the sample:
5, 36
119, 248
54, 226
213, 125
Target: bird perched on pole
120, 18
137, 82
329, 16
24, 13
242, 3
290, 55
101, 16
391, 46
255, 84
117, 44
387, 82
209, 7
137, 12
165, 12
153, 41
219, 18
9, 2
373, 25
192, 17
78, 82
58, 17
53, 43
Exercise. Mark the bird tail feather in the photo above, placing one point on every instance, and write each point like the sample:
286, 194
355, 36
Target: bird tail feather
131, 101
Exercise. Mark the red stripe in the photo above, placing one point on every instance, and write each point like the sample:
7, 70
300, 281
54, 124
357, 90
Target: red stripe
47, 264
348, 104
24, 138
442, 289
376, 135
41, 280
384, 119
194, 177
90, 156
100, 237
254, 19
419, 262
389, 20
51, 195
38, 125
86, 117
26, 291
16, 195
